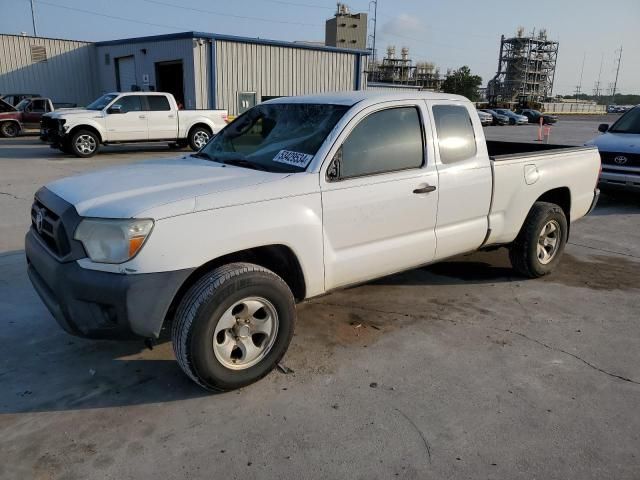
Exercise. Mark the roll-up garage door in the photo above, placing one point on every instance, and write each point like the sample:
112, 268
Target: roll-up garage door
126, 73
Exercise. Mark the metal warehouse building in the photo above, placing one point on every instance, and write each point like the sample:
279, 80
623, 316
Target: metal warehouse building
61, 69
202, 70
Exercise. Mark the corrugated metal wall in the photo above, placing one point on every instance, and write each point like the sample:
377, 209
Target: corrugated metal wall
271, 70
68, 74
159, 51
202, 72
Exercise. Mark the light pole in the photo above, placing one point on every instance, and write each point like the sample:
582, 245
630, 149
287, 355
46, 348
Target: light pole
33, 20
375, 21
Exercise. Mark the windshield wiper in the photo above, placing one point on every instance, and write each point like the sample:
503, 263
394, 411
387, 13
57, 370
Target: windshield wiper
206, 156
241, 162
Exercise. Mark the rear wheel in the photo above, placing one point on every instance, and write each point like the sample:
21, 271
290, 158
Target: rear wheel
198, 137
233, 326
539, 246
9, 129
84, 143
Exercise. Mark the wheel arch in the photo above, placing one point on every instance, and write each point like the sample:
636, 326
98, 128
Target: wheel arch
560, 196
12, 120
278, 258
90, 128
199, 123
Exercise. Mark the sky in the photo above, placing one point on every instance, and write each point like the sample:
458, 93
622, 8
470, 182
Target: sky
449, 33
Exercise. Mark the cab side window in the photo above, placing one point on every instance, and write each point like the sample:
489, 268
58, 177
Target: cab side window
38, 106
130, 103
385, 141
158, 103
456, 138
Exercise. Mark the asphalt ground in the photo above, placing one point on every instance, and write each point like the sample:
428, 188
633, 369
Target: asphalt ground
458, 370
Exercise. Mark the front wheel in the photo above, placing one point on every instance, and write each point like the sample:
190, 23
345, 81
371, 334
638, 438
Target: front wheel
538, 247
84, 143
198, 137
233, 326
9, 129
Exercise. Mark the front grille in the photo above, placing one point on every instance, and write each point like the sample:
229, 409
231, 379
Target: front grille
48, 226
618, 159
50, 129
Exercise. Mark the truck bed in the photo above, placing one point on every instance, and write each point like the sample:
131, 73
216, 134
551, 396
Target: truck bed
499, 150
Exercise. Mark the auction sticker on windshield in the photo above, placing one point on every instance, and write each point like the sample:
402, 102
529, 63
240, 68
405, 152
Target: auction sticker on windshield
296, 159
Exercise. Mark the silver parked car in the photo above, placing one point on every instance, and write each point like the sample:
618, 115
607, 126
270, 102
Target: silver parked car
486, 119
514, 118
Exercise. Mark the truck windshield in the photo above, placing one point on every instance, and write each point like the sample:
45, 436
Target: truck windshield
102, 102
275, 137
22, 104
628, 123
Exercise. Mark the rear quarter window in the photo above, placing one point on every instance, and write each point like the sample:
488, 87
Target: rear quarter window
456, 137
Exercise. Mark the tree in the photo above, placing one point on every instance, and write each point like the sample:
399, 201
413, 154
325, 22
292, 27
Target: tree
463, 82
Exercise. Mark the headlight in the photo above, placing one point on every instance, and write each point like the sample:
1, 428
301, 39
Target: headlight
113, 241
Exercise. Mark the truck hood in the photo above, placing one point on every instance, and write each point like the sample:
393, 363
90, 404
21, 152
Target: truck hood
617, 142
156, 188
74, 112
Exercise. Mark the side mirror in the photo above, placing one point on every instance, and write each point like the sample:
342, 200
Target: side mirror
603, 127
115, 109
333, 172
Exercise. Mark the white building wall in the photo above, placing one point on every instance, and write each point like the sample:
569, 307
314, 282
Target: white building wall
274, 70
67, 75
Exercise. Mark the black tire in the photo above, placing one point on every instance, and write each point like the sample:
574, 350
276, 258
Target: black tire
196, 136
84, 149
523, 252
65, 147
203, 306
9, 129
512, 121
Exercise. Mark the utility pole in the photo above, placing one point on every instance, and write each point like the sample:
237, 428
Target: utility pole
579, 86
375, 23
597, 89
33, 20
615, 83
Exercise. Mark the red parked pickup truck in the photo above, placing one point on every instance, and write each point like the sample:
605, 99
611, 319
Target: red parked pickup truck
26, 115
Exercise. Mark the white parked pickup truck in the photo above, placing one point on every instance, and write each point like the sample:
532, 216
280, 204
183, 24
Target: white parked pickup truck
130, 117
295, 198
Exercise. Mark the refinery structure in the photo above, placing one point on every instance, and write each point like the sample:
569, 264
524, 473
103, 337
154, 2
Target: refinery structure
401, 70
526, 69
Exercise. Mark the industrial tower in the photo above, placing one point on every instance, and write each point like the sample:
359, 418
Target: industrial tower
526, 69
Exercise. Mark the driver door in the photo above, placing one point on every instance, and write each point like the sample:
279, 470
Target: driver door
129, 123
379, 197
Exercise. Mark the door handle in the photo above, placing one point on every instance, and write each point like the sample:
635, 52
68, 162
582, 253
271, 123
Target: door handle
172, 116
142, 116
427, 189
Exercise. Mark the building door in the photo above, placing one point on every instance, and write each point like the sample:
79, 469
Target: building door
170, 79
126, 74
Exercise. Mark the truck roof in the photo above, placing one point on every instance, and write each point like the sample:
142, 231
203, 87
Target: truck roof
357, 96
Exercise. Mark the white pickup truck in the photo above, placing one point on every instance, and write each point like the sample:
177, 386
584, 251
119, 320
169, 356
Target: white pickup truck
295, 198
130, 117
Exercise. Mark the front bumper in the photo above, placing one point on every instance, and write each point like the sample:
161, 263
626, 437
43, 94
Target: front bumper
95, 304
620, 180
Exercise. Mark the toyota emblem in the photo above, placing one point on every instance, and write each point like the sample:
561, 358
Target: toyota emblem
39, 220
620, 160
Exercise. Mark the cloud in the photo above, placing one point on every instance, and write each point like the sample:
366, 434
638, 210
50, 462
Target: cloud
403, 25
